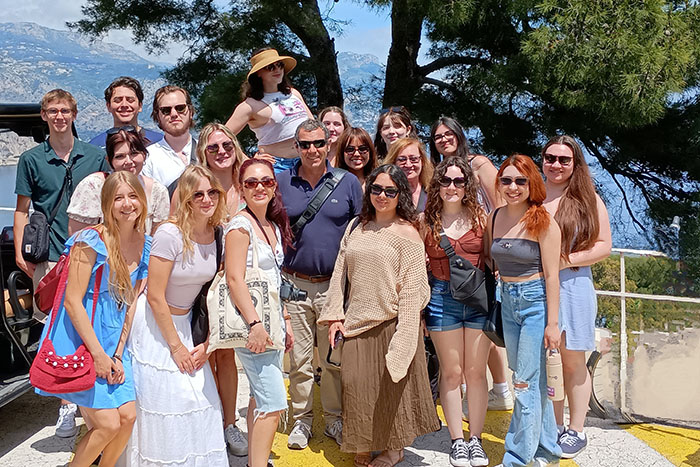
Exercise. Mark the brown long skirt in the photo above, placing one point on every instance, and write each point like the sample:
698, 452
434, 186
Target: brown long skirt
379, 414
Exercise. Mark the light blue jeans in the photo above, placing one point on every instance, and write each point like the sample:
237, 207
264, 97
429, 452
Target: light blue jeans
282, 164
533, 430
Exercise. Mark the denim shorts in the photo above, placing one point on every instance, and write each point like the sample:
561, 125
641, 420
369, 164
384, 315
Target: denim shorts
264, 372
444, 313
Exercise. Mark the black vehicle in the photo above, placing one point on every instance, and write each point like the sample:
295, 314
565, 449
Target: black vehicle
19, 330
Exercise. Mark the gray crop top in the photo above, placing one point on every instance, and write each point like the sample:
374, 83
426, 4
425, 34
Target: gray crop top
516, 257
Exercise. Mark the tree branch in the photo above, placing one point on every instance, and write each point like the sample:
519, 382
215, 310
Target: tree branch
444, 62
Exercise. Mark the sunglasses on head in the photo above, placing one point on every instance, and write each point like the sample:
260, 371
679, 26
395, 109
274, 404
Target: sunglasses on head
199, 195
214, 148
398, 109
389, 191
446, 181
319, 143
274, 66
350, 150
252, 183
117, 129
563, 160
180, 108
507, 181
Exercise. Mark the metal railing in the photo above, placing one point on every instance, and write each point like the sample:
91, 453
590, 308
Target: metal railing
623, 295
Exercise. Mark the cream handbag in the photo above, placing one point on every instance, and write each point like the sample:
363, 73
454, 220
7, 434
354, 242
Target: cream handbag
227, 328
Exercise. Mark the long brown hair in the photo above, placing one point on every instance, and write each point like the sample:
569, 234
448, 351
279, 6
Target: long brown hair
433, 207
120, 286
359, 134
577, 213
536, 218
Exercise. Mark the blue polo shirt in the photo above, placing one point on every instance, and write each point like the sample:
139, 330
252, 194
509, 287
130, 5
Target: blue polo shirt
149, 135
316, 246
40, 175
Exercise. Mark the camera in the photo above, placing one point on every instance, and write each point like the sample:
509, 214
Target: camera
290, 293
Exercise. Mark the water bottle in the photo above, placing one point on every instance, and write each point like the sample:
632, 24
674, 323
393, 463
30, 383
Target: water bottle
555, 376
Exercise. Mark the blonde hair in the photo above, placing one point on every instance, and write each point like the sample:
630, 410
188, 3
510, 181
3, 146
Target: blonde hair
426, 171
203, 142
57, 95
120, 286
186, 188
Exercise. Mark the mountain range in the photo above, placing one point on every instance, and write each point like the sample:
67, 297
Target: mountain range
35, 59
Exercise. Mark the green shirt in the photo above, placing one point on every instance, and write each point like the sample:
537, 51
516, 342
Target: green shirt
40, 175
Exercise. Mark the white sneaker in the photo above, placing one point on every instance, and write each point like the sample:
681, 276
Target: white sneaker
299, 436
237, 444
500, 401
542, 462
335, 431
65, 425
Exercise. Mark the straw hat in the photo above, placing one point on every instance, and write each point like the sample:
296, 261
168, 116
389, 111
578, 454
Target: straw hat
268, 57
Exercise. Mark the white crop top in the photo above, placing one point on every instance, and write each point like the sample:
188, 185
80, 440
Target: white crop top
287, 113
266, 262
190, 272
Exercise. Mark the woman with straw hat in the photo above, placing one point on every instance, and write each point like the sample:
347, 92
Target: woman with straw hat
271, 107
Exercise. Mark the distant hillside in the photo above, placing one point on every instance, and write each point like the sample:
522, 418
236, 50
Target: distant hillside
35, 59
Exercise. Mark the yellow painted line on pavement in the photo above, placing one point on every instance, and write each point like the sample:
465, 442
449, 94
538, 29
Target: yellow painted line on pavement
681, 446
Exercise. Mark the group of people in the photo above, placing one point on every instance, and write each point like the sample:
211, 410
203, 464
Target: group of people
356, 224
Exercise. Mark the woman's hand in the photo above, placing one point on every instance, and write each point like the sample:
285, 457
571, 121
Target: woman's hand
333, 328
288, 338
117, 376
199, 355
183, 359
103, 366
258, 339
552, 336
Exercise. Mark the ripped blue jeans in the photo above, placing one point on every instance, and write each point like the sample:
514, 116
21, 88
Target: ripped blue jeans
533, 430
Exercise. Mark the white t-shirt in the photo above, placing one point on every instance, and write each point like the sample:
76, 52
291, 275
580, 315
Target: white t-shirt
164, 164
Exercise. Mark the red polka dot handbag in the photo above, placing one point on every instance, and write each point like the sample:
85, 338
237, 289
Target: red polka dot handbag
61, 374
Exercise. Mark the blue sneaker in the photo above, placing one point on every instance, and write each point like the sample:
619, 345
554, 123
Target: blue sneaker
572, 443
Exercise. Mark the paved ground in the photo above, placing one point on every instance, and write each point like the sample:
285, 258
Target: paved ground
26, 438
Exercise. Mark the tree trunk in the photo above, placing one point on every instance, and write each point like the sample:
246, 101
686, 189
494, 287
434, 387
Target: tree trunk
403, 78
307, 24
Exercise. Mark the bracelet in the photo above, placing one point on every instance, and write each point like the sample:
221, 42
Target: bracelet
116, 356
253, 323
287, 317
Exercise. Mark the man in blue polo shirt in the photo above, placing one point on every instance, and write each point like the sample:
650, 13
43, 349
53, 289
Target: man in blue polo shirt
309, 266
124, 99
41, 172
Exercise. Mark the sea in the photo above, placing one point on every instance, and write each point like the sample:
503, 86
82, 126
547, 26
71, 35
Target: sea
8, 199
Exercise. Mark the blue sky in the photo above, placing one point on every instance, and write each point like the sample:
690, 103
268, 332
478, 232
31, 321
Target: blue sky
369, 30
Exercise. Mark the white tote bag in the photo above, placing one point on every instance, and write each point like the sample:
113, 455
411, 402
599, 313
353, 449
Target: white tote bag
227, 328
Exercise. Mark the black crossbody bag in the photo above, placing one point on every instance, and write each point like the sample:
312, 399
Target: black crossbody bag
493, 327
467, 283
36, 239
200, 311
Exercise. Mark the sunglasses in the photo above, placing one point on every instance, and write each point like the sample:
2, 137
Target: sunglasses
306, 145
213, 149
117, 129
398, 109
350, 150
404, 159
563, 160
199, 195
180, 108
390, 191
446, 135
446, 181
274, 66
252, 183
507, 181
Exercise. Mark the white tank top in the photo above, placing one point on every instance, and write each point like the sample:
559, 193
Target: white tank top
287, 113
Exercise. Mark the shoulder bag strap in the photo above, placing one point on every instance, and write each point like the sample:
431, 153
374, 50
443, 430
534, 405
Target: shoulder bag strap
319, 198
493, 227
219, 238
446, 245
67, 181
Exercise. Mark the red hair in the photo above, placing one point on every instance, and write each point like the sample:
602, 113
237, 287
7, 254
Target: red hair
536, 218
